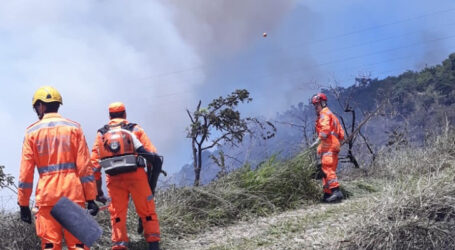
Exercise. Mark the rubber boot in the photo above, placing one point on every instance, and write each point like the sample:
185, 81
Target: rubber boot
325, 196
337, 195
154, 245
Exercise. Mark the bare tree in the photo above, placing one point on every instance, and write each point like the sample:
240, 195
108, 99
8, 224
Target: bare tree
355, 129
221, 115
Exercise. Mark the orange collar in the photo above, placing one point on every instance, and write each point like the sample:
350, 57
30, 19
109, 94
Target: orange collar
117, 120
51, 115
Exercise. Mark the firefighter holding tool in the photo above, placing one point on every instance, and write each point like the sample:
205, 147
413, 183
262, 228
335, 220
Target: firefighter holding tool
58, 149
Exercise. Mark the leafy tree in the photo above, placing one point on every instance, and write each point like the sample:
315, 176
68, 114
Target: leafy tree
221, 115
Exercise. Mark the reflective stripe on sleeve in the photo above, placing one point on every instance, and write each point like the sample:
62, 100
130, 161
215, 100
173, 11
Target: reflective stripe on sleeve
326, 153
332, 181
25, 185
323, 135
88, 178
56, 167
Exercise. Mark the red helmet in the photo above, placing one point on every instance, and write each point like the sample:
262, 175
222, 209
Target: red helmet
318, 98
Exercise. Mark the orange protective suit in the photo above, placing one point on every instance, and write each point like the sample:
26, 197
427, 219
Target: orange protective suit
121, 185
330, 133
58, 148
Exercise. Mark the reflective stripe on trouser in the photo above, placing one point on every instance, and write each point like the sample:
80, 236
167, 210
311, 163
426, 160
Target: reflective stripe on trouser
50, 231
120, 245
119, 187
329, 166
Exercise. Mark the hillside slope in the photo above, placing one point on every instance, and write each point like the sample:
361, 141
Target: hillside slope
411, 99
405, 201
314, 226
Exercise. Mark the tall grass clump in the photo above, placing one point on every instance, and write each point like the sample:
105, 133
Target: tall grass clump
244, 193
285, 185
417, 209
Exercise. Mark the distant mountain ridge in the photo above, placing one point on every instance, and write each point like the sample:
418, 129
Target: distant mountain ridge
416, 104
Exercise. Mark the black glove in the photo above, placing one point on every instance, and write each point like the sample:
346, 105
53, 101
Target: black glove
26, 214
100, 197
92, 207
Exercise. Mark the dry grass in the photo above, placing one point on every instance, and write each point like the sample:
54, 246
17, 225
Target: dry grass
413, 207
405, 202
16, 234
417, 208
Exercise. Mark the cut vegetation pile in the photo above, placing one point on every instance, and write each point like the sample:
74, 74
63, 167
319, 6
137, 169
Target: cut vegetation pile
273, 186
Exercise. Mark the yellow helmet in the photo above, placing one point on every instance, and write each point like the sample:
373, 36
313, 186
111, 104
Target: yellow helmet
47, 94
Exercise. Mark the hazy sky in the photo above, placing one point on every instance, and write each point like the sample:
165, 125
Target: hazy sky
160, 57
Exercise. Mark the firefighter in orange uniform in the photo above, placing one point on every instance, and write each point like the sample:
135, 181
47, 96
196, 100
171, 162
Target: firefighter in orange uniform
330, 133
115, 150
58, 148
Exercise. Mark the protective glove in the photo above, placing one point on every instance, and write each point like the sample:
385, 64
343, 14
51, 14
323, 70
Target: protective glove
26, 214
92, 207
100, 196
315, 143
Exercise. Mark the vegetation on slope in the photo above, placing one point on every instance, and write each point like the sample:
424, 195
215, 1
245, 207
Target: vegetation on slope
243, 194
417, 209
405, 201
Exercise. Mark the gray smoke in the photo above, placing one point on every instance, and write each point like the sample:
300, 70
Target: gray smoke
222, 27
94, 53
